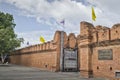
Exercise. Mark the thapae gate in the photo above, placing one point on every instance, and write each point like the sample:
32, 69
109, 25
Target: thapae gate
94, 52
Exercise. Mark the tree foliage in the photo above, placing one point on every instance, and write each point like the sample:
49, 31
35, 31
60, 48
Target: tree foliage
8, 38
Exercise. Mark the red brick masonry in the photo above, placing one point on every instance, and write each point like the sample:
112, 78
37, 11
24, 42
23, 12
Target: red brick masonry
89, 42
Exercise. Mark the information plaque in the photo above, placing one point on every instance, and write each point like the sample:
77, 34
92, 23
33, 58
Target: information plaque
105, 54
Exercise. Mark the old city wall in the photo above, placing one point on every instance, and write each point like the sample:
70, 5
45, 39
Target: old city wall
99, 49
30, 56
44, 56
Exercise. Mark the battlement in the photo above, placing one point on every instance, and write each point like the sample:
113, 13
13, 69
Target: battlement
115, 32
69, 41
47, 46
72, 40
98, 33
86, 28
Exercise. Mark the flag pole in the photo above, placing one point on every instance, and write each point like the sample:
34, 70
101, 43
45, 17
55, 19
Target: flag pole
62, 46
92, 22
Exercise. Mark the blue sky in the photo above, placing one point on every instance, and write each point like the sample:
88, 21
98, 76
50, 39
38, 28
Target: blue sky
34, 18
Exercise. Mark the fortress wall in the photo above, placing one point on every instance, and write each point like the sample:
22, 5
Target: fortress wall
99, 49
106, 68
103, 33
115, 32
72, 42
44, 60
44, 56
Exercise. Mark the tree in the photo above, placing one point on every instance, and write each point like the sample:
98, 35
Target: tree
8, 39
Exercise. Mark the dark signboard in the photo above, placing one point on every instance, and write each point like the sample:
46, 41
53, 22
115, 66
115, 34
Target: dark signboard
105, 54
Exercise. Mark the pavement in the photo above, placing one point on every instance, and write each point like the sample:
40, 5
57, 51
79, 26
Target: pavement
15, 72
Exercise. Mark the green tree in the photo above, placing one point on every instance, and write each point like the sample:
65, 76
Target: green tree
8, 39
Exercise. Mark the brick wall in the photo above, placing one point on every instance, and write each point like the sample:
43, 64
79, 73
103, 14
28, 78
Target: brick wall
115, 32
44, 60
72, 40
103, 33
90, 41
106, 68
44, 56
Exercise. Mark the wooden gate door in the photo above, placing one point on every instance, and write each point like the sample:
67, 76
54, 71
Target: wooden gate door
70, 60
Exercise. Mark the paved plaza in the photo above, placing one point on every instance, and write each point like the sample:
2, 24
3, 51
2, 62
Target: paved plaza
14, 72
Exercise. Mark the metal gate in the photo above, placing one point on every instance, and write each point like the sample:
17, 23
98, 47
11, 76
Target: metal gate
70, 60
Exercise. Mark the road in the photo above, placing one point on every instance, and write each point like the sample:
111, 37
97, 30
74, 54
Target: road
14, 72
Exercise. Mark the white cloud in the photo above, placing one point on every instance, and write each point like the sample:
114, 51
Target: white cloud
73, 11
109, 5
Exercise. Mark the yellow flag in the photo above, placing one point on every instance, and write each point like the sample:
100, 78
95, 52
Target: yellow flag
93, 14
42, 39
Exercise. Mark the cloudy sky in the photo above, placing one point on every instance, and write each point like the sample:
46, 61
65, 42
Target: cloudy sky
34, 18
